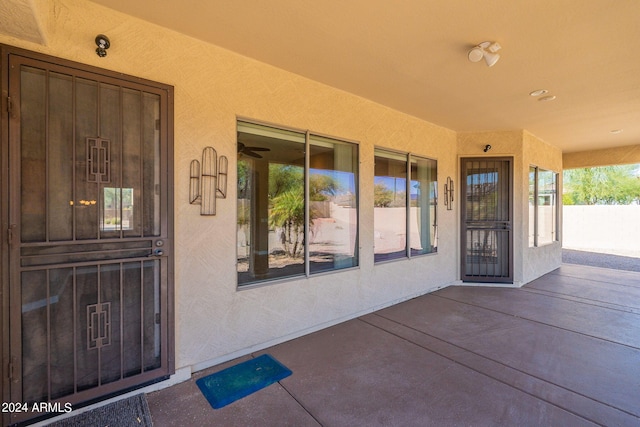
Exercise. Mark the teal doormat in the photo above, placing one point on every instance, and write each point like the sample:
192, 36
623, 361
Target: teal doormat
238, 381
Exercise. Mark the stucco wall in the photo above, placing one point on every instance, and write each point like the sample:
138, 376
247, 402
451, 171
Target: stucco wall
542, 259
526, 150
213, 87
611, 156
24, 19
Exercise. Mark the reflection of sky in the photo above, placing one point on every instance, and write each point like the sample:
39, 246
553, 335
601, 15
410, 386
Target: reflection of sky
482, 178
346, 180
398, 185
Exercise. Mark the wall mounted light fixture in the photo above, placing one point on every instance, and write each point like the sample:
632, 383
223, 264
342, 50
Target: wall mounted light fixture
208, 183
486, 51
103, 44
448, 194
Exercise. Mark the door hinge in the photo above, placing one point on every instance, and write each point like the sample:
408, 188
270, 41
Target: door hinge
9, 105
11, 368
157, 318
10, 234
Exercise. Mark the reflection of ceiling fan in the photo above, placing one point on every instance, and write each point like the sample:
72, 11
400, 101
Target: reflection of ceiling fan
251, 151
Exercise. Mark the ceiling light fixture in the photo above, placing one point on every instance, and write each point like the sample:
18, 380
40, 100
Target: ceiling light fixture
539, 92
547, 98
616, 131
486, 50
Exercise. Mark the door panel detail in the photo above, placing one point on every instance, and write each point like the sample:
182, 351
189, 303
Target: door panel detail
89, 193
486, 245
98, 154
99, 321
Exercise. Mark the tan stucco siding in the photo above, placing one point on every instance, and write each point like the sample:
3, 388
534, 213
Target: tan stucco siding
539, 260
213, 87
24, 19
629, 154
526, 150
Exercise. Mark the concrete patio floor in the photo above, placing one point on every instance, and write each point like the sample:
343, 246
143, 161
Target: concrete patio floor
562, 351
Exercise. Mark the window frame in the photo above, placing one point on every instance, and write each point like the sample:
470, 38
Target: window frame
535, 170
408, 159
308, 272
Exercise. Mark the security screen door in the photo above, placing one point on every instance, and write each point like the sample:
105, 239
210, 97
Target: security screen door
487, 217
89, 232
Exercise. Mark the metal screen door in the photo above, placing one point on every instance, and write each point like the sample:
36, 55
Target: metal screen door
89, 238
486, 247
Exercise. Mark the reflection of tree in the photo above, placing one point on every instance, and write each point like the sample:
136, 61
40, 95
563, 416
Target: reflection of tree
322, 187
112, 197
244, 188
286, 206
287, 212
382, 196
482, 202
282, 178
286, 202
243, 180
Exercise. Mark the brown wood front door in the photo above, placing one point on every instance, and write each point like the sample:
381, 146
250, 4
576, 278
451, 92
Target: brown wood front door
487, 220
89, 232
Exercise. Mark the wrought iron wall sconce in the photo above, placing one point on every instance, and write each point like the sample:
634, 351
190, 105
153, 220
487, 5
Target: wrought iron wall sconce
208, 181
103, 44
448, 194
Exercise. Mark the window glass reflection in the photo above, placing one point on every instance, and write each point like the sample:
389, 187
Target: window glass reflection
270, 203
547, 207
423, 191
333, 215
117, 212
284, 230
390, 206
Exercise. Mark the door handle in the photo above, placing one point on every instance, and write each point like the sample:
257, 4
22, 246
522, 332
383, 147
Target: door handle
156, 253
159, 250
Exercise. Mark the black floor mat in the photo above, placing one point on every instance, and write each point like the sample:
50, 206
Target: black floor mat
131, 412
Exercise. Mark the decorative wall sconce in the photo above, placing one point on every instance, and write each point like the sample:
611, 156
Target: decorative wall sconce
103, 44
208, 183
448, 194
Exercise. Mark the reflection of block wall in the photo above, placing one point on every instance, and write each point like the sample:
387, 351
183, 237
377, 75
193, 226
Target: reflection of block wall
333, 231
602, 227
321, 209
390, 229
546, 224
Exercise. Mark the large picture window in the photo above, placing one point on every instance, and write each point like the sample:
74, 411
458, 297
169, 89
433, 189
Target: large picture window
297, 203
404, 226
543, 206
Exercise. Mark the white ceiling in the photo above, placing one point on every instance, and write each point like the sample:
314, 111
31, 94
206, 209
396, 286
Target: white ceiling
411, 55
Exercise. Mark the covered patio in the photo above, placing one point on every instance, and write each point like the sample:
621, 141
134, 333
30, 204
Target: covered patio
188, 186
562, 350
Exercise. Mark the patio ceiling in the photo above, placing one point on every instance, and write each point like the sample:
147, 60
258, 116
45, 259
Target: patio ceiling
411, 55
